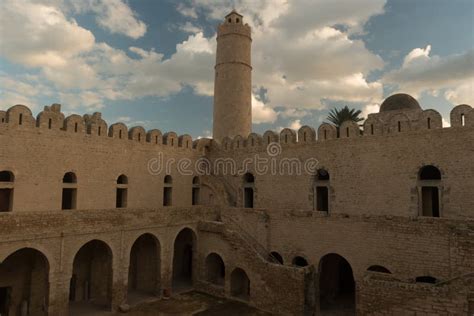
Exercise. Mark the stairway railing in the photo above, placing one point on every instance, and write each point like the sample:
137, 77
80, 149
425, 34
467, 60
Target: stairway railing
253, 242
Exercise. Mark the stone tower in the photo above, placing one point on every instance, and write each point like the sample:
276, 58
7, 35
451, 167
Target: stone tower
233, 79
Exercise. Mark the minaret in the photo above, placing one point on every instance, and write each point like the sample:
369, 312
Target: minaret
233, 79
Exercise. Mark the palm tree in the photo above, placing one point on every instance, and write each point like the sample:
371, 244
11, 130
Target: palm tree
338, 116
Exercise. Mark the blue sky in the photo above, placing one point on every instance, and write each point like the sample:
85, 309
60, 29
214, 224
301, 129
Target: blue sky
150, 62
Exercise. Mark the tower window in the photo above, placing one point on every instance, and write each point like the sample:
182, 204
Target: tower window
249, 185
98, 132
6, 191
429, 190
229, 20
399, 126
49, 123
20, 119
237, 20
372, 129
120, 134
196, 191
168, 191
69, 194
347, 131
122, 191
429, 123
463, 119
321, 191
75, 127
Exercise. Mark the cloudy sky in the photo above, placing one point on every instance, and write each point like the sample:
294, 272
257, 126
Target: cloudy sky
150, 62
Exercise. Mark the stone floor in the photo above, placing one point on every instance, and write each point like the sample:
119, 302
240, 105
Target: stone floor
189, 303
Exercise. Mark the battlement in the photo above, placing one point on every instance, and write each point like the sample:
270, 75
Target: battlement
51, 119
390, 123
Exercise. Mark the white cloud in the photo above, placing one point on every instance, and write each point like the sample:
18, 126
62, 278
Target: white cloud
262, 113
114, 15
293, 112
422, 72
295, 125
188, 27
370, 108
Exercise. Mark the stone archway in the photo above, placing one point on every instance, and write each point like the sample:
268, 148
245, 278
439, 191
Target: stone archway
91, 281
144, 268
336, 285
183, 259
215, 269
240, 284
24, 284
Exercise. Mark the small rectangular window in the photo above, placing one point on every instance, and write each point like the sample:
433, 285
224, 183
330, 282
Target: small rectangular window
322, 199
50, 121
20, 119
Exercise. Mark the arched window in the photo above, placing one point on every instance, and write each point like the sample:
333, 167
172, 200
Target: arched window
379, 269
299, 261
321, 191
429, 184
196, 191
6, 191
249, 186
168, 191
122, 191
69, 195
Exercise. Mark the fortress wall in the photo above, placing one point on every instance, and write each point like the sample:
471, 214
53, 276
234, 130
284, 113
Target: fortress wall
275, 288
375, 175
379, 297
39, 159
408, 247
60, 235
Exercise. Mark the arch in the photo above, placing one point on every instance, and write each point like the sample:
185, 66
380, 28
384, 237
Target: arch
254, 140
240, 284
91, 279
185, 141
249, 187
373, 126
118, 131
326, 131
137, 133
226, 143
459, 115
167, 190
238, 142
336, 284
349, 129
270, 137
20, 115
154, 136
7, 179
430, 119
215, 269
196, 191
429, 172
144, 268
306, 134
69, 177
287, 136
399, 123
379, 269
24, 283
183, 258
74, 123
277, 256
170, 139
69, 192
121, 192
299, 261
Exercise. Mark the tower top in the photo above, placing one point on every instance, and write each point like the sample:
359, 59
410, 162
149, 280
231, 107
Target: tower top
234, 17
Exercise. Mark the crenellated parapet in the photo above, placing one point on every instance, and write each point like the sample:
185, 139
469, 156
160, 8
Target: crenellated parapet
89, 125
392, 122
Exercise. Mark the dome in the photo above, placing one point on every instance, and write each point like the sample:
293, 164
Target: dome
400, 101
